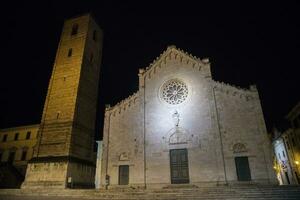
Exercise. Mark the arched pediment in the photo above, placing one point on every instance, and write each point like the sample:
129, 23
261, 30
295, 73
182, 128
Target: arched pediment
178, 136
239, 148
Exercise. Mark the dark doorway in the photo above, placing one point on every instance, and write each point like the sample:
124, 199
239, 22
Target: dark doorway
123, 174
179, 166
287, 177
242, 169
11, 157
297, 177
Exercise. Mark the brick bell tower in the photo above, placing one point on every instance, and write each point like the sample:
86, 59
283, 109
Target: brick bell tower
63, 156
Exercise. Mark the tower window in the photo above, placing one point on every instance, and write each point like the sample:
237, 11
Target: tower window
74, 29
70, 52
57, 115
91, 57
23, 157
11, 156
293, 141
28, 135
288, 145
4, 139
95, 35
16, 136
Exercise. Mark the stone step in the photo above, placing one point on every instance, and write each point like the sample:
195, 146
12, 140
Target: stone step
219, 192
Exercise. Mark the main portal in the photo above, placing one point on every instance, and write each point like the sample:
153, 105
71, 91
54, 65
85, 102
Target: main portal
179, 166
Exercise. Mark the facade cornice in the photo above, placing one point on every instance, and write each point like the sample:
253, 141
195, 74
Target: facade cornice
235, 90
123, 104
176, 53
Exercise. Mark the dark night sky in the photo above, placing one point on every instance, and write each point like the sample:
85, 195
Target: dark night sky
246, 43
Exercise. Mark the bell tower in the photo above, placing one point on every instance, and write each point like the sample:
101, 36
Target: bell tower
63, 155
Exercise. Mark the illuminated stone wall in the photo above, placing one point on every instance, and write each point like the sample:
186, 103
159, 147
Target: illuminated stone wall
179, 106
243, 131
126, 143
195, 120
66, 134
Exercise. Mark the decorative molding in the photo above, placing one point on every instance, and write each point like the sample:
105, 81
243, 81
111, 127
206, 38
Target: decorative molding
173, 53
247, 94
239, 148
123, 156
124, 104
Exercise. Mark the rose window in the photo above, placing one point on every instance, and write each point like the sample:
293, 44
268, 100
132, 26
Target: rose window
174, 92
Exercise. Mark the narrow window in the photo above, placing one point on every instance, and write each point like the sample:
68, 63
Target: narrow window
70, 52
74, 29
28, 135
293, 142
288, 144
91, 57
283, 154
16, 136
57, 115
95, 35
23, 157
279, 156
4, 139
11, 157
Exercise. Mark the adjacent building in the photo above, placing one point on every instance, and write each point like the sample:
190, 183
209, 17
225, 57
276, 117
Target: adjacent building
286, 146
16, 149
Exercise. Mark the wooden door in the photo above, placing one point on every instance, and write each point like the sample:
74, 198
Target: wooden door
179, 166
123, 174
242, 169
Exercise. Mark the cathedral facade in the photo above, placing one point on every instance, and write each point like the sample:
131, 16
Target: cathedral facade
182, 127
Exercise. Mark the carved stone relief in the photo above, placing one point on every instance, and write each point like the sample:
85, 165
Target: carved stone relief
239, 148
123, 156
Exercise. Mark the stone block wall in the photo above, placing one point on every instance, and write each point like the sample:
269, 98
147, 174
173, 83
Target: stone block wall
123, 142
211, 122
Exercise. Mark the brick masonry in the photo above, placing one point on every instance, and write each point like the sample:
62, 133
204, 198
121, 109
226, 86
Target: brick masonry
64, 151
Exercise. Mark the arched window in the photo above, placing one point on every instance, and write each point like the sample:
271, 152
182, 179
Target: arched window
74, 29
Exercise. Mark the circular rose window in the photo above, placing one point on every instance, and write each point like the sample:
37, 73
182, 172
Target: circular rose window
174, 92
